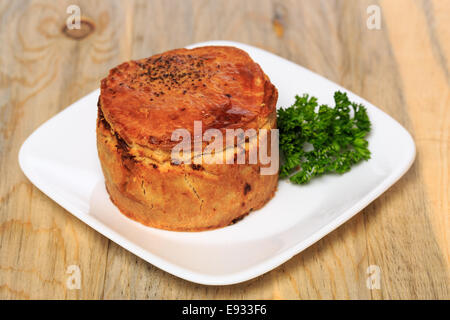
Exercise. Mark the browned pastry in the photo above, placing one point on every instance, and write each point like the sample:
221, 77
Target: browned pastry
142, 102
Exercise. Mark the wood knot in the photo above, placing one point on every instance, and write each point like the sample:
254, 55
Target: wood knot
87, 27
279, 19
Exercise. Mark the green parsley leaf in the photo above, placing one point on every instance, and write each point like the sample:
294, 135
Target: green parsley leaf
316, 140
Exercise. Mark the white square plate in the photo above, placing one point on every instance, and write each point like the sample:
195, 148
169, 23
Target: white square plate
60, 158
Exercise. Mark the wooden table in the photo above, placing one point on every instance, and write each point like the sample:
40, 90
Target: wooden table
403, 68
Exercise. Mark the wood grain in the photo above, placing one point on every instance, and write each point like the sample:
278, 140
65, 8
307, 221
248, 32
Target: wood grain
403, 68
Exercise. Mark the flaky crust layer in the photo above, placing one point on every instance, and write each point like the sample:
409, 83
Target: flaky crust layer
148, 187
146, 100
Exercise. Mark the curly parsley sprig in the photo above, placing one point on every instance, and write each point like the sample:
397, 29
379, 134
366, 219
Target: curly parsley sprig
319, 139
